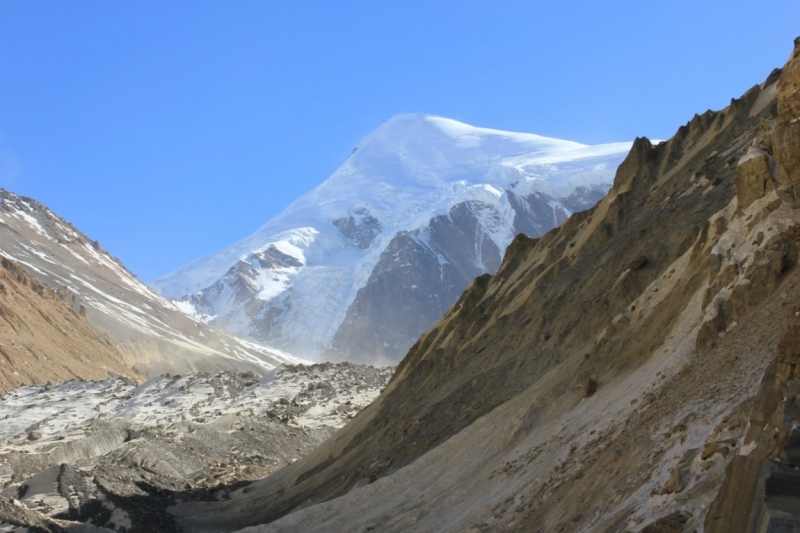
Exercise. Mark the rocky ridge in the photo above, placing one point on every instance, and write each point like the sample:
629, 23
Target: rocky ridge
112, 456
631, 370
152, 334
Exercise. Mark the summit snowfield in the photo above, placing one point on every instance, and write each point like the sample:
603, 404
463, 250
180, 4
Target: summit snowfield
364, 263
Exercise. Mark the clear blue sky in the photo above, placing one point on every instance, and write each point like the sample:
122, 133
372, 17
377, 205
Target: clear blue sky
169, 130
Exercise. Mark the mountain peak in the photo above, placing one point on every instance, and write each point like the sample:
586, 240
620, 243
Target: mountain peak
418, 183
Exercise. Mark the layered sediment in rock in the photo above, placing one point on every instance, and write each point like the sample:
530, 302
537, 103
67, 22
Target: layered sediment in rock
760, 491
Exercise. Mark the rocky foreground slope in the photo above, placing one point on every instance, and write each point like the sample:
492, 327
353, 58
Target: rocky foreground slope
631, 370
112, 456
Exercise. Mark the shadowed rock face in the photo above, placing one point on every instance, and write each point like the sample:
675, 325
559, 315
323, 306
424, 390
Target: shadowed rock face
669, 298
419, 275
274, 258
422, 273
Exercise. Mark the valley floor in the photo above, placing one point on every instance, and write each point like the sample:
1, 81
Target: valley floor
112, 456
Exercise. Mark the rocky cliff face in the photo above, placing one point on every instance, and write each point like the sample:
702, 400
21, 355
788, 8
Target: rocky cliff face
45, 338
362, 265
151, 332
760, 490
606, 377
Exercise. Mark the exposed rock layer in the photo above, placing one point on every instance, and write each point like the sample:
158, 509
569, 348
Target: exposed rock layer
760, 491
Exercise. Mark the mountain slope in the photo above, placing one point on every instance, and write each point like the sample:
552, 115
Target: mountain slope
608, 373
153, 334
45, 339
360, 266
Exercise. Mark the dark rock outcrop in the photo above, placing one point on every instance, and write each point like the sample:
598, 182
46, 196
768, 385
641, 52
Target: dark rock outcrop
360, 228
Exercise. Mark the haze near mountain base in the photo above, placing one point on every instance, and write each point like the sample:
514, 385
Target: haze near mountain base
363, 264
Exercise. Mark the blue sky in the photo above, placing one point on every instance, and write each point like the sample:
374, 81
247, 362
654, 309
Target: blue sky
169, 130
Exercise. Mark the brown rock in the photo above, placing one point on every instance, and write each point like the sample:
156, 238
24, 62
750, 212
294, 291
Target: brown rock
743, 497
753, 177
636, 263
712, 448
43, 339
674, 484
672, 523
787, 129
708, 451
589, 387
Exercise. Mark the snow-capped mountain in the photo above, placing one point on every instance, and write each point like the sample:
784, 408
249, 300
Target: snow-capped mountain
361, 265
152, 332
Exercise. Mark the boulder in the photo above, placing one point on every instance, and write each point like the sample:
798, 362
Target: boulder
589, 387
636, 263
673, 485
